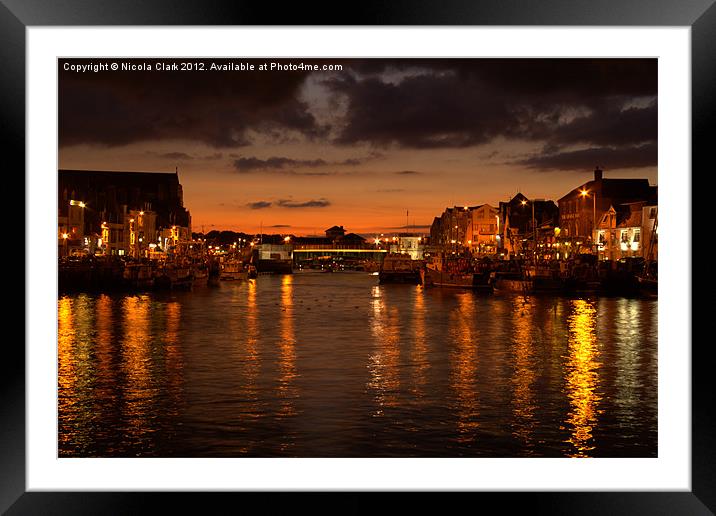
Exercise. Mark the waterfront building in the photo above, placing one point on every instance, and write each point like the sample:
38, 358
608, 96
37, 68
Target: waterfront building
587, 204
483, 231
71, 228
522, 219
476, 228
112, 240
120, 213
142, 231
352, 239
627, 230
410, 244
450, 228
335, 232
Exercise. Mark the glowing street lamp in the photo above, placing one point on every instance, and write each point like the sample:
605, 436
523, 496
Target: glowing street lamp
584, 193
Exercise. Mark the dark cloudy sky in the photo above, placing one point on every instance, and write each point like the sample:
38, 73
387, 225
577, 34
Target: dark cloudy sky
299, 151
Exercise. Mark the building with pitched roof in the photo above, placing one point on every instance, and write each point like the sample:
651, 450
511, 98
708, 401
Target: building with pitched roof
583, 207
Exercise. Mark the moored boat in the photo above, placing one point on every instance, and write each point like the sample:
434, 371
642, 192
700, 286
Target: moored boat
139, 276
273, 259
233, 269
174, 275
455, 272
399, 268
511, 282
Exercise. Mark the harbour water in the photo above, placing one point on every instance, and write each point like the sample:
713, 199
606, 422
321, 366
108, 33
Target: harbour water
336, 365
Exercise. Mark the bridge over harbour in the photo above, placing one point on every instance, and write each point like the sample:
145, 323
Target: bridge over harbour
309, 252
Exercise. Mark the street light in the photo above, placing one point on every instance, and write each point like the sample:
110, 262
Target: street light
534, 225
584, 193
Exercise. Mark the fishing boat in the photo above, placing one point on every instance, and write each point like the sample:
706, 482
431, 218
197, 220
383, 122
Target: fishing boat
545, 278
273, 259
233, 269
399, 268
138, 275
174, 275
449, 271
511, 282
581, 275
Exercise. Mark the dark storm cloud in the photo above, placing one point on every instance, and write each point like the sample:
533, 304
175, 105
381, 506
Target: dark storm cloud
215, 108
460, 103
586, 159
288, 203
258, 205
252, 164
408, 103
611, 126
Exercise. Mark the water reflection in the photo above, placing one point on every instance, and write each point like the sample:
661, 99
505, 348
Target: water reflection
139, 393
252, 360
384, 379
287, 356
628, 326
174, 359
419, 345
525, 371
582, 378
67, 378
105, 344
266, 367
464, 367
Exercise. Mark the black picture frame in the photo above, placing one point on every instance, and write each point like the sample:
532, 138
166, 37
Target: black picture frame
17, 15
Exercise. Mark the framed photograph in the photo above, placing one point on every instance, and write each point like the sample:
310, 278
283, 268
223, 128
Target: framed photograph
416, 253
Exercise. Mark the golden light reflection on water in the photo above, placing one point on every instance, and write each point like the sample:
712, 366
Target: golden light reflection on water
104, 336
186, 374
582, 378
139, 391
383, 362
67, 378
419, 349
464, 358
253, 357
523, 399
76, 369
174, 359
287, 355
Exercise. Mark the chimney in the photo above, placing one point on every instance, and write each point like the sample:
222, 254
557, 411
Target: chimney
598, 174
